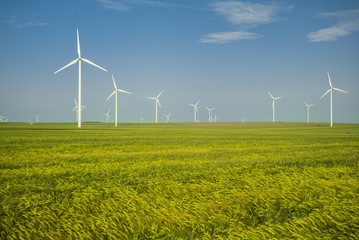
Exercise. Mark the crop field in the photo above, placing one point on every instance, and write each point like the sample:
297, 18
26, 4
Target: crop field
179, 181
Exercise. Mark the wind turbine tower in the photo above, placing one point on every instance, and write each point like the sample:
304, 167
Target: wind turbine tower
115, 92
273, 104
331, 98
156, 101
209, 113
195, 110
79, 59
107, 115
167, 117
308, 106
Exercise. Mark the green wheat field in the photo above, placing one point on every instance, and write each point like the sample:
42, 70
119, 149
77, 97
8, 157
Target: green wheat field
179, 181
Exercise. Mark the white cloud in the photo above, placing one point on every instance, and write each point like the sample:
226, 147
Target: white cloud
247, 13
124, 5
225, 37
244, 14
347, 24
23, 21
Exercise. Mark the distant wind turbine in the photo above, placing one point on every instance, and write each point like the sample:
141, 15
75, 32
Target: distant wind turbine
167, 117
273, 104
142, 119
215, 118
156, 101
76, 108
79, 59
242, 119
331, 98
115, 92
37, 118
107, 115
209, 113
195, 110
308, 106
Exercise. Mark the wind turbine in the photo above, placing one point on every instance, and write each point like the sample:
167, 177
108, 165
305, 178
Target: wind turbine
195, 110
37, 118
308, 106
167, 116
273, 104
115, 92
79, 59
242, 119
215, 118
76, 108
157, 101
331, 98
209, 112
107, 115
142, 119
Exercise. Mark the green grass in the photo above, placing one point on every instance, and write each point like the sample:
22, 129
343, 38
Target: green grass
179, 181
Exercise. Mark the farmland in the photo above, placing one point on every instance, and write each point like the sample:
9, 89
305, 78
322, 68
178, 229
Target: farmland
179, 181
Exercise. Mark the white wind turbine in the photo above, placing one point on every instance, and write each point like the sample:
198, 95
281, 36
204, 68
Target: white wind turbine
37, 118
156, 101
107, 115
79, 59
115, 92
273, 104
331, 98
167, 116
215, 118
141, 119
195, 110
209, 113
76, 108
308, 106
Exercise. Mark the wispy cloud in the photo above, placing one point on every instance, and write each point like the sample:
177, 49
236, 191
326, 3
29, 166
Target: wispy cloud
245, 15
225, 37
20, 23
125, 5
348, 22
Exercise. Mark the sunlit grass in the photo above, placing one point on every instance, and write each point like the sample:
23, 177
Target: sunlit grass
179, 181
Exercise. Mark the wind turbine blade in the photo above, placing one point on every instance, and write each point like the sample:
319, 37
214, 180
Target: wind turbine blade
207, 108
151, 98
74, 108
78, 44
306, 104
192, 105
88, 61
120, 90
73, 62
271, 95
197, 103
310, 105
114, 84
277, 98
111, 95
159, 94
75, 101
159, 104
330, 82
325, 93
340, 90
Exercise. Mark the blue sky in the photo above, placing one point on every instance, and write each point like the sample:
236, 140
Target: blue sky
227, 54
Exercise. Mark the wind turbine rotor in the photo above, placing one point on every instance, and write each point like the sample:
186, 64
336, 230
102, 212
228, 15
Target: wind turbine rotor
340, 90
326, 93
88, 61
78, 44
111, 95
71, 63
